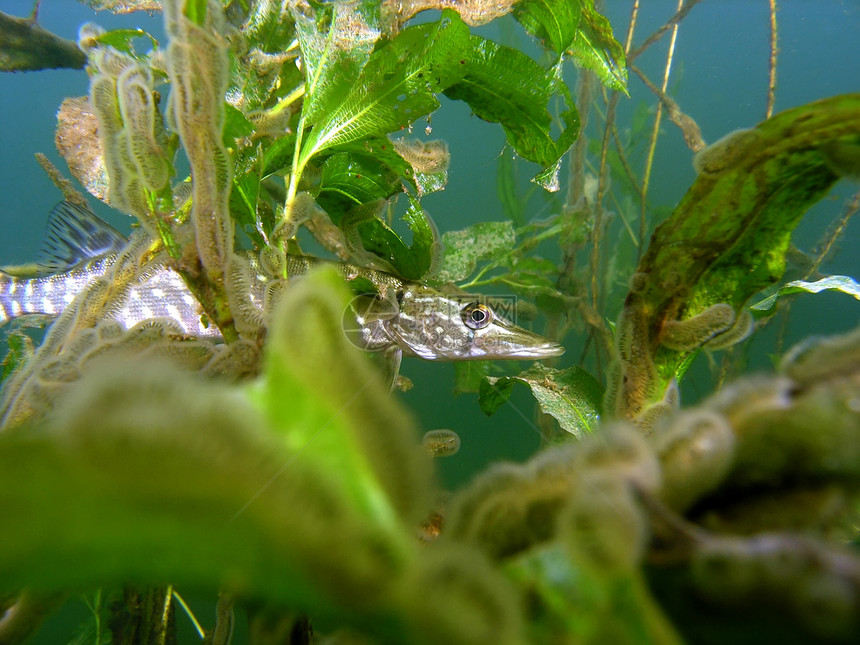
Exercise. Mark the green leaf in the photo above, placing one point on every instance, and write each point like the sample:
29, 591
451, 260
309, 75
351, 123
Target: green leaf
195, 11
728, 237
336, 43
572, 396
493, 393
397, 86
121, 39
236, 125
141, 463
503, 85
278, 155
842, 283
554, 21
348, 179
410, 262
20, 350
595, 48
243, 204
334, 420
465, 248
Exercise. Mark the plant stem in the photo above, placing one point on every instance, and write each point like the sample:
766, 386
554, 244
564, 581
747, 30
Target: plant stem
655, 132
771, 65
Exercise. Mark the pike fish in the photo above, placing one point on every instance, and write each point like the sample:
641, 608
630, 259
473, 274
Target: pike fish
401, 318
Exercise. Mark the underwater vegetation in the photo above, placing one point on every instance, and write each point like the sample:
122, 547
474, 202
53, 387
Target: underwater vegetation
268, 465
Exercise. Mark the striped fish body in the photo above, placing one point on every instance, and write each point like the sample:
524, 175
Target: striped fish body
397, 317
47, 294
79, 249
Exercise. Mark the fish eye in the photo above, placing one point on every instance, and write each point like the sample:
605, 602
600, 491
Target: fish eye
477, 315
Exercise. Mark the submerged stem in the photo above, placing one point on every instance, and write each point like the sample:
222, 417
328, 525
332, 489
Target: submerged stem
771, 63
655, 132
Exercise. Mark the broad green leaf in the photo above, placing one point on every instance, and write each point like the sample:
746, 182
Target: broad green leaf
572, 396
494, 392
348, 179
336, 43
843, 283
236, 125
595, 48
122, 39
554, 21
397, 86
154, 474
353, 431
384, 245
465, 248
278, 155
382, 151
430, 182
503, 85
266, 28
728, 237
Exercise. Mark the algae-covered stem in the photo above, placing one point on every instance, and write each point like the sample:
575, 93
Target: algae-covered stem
199, 74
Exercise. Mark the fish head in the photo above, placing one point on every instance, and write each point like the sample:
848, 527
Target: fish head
442, 327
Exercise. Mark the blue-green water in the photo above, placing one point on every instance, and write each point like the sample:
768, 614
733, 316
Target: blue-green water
719, 78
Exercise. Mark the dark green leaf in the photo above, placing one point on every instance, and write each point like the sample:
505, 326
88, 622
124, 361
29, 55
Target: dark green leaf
572, 396
494, 392
387, 247
25, 46
279, 155
595, 48
349, 179
503, 85
236, 125
243, 204
843, 283
382, 151
554, 21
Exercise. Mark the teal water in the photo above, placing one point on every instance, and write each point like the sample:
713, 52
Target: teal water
719, 78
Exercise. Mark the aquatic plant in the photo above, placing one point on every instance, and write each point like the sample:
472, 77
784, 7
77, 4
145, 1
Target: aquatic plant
271, 466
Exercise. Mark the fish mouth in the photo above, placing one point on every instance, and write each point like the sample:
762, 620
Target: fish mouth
515, 343
538, 352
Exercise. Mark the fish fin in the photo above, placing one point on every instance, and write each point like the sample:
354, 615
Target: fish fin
391, 358
75, 234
